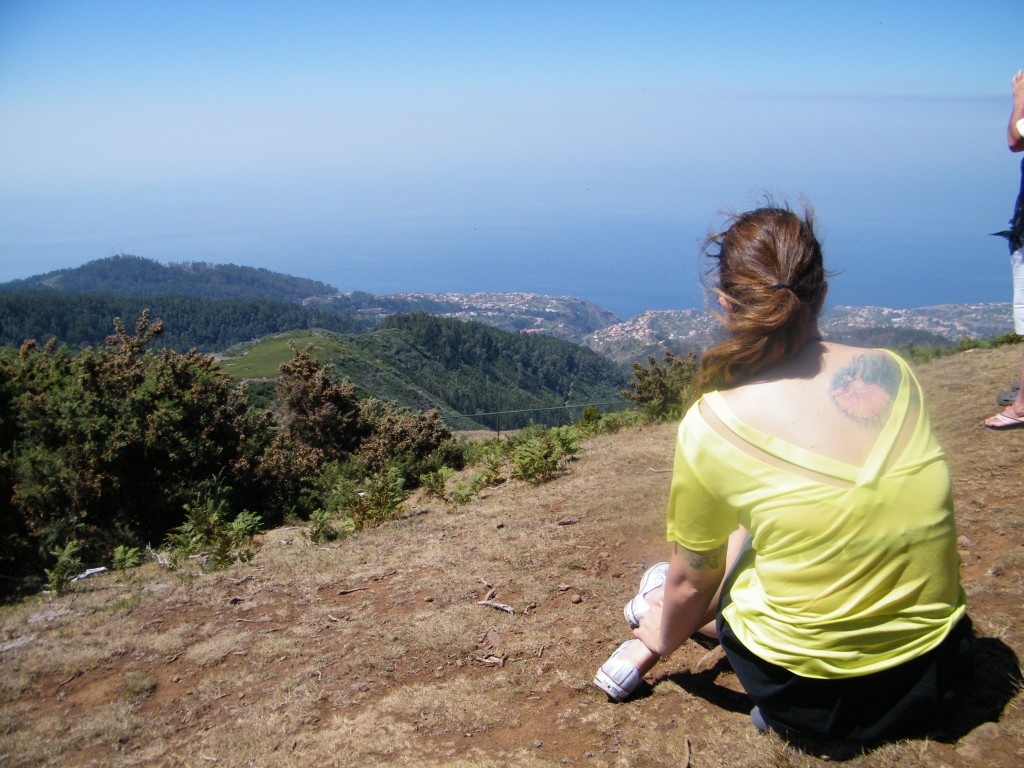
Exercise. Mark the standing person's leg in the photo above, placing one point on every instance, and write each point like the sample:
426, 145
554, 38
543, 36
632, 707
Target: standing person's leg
1013, 415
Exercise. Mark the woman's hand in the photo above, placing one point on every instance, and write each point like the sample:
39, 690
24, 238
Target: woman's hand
687, 601
649, 631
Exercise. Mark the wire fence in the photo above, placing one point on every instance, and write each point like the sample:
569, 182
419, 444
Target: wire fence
552, 416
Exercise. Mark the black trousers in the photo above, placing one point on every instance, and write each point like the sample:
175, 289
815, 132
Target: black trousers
887, 704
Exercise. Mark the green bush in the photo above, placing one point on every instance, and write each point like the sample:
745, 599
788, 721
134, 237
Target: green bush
921, 353
126, 557
68, 564
212, 534
595, 423
381, 497
368, 453
434, 482
567, 440
317, 411
321, 527
538, 455
663, 392
411, 444
107, 446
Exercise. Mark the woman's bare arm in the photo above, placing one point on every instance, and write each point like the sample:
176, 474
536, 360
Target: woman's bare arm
693, 579
1013, 134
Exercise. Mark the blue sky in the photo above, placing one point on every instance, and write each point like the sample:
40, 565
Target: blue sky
569, 148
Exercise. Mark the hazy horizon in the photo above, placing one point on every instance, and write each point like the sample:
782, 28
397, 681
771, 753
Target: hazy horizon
554, 148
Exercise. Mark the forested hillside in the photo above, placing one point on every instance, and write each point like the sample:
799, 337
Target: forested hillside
479, 368
204, 306
460, 367
126, 275
419, 361
208, 325
76, 305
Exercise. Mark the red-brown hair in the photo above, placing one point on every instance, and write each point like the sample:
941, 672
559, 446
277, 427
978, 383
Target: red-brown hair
767, 268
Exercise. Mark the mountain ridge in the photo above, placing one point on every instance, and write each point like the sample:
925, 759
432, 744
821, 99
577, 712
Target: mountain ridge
565, 317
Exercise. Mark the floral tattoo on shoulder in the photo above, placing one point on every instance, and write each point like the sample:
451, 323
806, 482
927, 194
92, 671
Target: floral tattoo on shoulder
864, 389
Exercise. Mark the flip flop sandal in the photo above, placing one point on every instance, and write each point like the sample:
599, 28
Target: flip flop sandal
1005, 421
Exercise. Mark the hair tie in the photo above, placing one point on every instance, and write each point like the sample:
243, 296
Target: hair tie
779, 286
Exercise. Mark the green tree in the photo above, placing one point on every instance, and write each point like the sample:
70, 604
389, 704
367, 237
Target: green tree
410, 443
108, 447
663, 392
318, 411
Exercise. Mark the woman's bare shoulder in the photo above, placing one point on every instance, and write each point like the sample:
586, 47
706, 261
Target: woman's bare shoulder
863, 383
837, 381
841, 356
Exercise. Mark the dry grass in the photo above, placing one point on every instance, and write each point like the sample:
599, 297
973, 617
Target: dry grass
376, 649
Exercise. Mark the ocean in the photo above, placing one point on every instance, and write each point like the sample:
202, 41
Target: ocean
627, 265
632, 266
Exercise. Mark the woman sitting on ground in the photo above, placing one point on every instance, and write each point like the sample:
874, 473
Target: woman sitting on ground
809, 474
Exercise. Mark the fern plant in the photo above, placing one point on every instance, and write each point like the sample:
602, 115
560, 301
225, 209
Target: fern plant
321, 528
433, 483
209, 533
67, 565
381, 498
567, 440
463, 493
536, 460
126, 557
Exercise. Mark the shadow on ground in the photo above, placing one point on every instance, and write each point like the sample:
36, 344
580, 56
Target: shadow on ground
997, 679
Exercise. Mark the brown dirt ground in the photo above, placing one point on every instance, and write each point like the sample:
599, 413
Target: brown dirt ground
377, 650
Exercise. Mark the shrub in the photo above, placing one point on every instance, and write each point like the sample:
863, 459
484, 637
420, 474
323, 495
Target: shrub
67, 565
337, 487
567, 440
126, 557
923, 353
539, 457
663, 392
211, 534
491, 471
381, 498
109, 445
434, 482
321, 528
385, 449
283, 480
595, 423
411, 444
590, 420
317, 411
